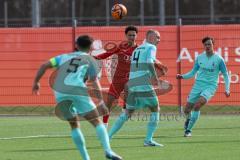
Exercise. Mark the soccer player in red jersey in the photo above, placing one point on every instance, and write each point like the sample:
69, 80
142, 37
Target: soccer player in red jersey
120, 77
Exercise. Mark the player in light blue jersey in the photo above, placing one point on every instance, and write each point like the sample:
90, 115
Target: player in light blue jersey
207, 65
141, 93
72, 70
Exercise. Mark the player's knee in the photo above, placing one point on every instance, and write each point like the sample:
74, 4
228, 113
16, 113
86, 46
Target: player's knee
95, 122
110, 101
74, 124
188, 108
197, 106
201, 102
155, 109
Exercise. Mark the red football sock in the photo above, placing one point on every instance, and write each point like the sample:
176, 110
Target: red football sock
105, 118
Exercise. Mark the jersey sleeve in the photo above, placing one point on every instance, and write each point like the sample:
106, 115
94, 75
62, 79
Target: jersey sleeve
152, 54
192, 72
55, 61
224, 71
151, 60
104, 55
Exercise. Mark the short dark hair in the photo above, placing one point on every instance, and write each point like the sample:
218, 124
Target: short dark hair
131, 28
84, 41
207, 38
150, 31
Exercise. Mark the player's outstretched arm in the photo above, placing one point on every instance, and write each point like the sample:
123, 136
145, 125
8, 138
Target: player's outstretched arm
103, 55
191, 73
109, 51
41, 71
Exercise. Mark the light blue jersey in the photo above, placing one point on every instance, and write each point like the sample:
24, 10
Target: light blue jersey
140, 90
72, 70
207, 69
143, 56
76, 73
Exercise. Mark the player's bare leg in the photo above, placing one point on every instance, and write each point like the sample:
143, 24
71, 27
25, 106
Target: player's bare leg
109, 103
194, 115
152, 126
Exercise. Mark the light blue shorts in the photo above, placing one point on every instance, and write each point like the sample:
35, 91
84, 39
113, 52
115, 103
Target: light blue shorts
138, 100
206, 91
80, 105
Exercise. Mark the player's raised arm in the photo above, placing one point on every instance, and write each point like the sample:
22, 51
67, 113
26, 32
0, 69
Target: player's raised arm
224, 71
110, 48
104, 55
41, 71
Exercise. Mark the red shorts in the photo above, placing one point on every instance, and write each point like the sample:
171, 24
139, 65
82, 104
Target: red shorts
116, 89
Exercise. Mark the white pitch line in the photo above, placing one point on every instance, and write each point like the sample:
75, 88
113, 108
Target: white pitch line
179, 135
56, 136
37, 136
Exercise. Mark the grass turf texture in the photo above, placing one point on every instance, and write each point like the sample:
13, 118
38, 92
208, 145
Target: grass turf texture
214, 137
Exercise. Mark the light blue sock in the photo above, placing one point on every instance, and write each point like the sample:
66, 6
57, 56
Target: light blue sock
79, 140
152, 125
194, 117
103, 136
118, 124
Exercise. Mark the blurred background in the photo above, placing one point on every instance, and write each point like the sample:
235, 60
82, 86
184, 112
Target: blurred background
39, 13
33, 31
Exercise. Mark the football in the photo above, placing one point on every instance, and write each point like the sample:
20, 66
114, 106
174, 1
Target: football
118, 11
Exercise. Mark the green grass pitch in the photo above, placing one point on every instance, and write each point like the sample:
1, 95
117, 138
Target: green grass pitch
215, 137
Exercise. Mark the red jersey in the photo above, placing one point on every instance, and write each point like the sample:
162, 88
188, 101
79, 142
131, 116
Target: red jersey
121, 74
124, 60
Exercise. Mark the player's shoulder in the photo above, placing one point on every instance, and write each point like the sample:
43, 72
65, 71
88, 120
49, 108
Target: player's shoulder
134, 47
62, 55
59, 57
77, 54
202, 55
149, 46
71, 55
218, 56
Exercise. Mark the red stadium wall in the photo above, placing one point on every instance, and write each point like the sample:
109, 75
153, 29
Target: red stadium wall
23, 50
